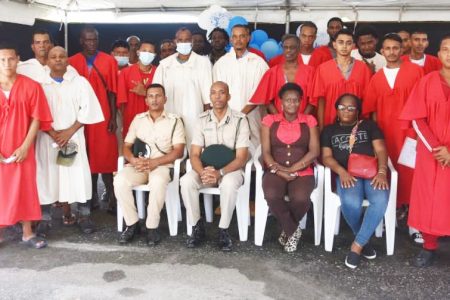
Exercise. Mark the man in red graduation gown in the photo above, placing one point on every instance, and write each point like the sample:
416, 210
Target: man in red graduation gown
100, 69
327, 52
306, 56
428, 108
23, 109
336, 77
133, 83
385, 97
289, 71
419, 43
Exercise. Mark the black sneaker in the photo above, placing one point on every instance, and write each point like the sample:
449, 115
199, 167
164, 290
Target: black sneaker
197, 236
352, 260
86, 225
424, 259
225, 242
153, 237
129, 233
368, 252
43, 228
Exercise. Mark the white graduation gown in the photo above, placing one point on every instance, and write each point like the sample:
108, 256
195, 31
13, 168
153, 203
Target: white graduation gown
69, 101
242, 76
187, 87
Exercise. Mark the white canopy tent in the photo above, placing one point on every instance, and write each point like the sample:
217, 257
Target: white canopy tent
187, 11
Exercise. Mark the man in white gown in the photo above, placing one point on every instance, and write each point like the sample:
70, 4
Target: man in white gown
187, 78
73, 103
242, 71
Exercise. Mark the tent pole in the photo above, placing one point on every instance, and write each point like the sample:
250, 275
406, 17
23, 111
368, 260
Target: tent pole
66, 33
288, 16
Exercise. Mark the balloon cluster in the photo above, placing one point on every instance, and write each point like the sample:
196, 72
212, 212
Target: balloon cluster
216, 16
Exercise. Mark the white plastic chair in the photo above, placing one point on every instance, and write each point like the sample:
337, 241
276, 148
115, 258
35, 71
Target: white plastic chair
333, 212
242, 202
262, 209
173, 206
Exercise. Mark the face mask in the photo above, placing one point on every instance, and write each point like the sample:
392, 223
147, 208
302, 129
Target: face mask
184, 48
146, 58
122, 60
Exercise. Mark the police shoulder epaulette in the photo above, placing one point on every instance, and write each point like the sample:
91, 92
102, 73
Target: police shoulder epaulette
142, 115
204, 114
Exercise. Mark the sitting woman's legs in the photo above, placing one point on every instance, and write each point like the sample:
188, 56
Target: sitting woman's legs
275, 188
378, 201
351, 201
299, 192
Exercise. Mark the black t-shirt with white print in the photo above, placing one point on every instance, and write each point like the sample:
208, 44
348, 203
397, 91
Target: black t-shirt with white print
336, 137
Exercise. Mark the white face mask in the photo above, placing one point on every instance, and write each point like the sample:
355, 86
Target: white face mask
146, 58
122, 60
184, 48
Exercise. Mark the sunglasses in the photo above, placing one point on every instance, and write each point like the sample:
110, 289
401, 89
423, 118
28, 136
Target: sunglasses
349, 108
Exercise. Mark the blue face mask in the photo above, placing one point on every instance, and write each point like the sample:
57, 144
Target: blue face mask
184, 48
122, 60
146, 58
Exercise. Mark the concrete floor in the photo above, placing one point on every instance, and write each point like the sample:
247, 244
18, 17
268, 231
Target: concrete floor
76, 266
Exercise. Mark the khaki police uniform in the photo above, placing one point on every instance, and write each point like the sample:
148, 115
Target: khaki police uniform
161, 135
209, 131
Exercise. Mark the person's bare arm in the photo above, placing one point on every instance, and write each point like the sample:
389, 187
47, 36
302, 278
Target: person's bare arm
63, 136
112, 125
194, 156
248, 108
153, 163
310, 109
374, 116
380, 180
320, 112
329, 161
272, 109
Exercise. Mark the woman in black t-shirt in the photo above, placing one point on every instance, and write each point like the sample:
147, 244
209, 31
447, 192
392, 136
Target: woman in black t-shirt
346, 135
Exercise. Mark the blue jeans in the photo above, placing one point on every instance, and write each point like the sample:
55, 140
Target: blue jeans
351, 207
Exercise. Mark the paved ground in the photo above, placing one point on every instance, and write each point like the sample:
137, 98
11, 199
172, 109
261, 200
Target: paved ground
96, 267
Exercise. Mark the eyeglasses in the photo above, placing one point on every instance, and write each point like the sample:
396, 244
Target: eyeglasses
349, 108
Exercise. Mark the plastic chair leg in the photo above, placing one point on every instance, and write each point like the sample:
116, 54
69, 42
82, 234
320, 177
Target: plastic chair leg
140, 202
208, 204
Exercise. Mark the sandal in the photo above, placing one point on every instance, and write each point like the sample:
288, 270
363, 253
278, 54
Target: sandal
43, 228
35, 242
69, 220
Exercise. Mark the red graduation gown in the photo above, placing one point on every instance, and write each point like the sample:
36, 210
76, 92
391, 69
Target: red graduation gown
274, 79
101, 144
18, 191
134, 103
330, 84
257, 52
429, 209
388, 104
432, 63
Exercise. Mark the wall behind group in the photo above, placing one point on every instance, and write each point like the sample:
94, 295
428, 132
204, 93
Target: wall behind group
21, 34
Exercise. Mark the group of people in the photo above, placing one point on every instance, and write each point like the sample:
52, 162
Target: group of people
63, 118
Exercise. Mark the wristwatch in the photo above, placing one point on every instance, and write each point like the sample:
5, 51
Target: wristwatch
221, 172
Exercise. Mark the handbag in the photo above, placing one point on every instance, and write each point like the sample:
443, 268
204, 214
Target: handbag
360, 165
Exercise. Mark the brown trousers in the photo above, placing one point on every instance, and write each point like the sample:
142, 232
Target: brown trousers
288, 213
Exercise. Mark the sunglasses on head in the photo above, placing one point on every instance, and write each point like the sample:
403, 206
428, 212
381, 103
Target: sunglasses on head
349, 108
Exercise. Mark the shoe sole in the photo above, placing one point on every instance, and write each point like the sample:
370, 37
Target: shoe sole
370, 257
349, 265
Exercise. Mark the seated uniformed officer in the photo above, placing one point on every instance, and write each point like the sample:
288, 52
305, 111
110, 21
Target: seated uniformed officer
164, 135
222, 137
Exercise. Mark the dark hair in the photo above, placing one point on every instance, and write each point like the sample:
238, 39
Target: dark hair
445, 37
165, 41
343, 31
157, 86
41, 31
6, 45
200, 33
308, 24
182, 29
221, 30
335, 19
418, 31
391, 36
89, 28
241, 26
354, 97
290, 37
366, 30
290, 86
120, 44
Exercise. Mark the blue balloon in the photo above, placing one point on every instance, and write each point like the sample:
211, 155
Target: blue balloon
254, 46
238, 20
270, 49
259, 37
274, 40
280, 49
